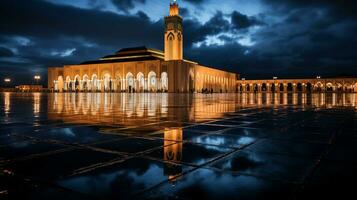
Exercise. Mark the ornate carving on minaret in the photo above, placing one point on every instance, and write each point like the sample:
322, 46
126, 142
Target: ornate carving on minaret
173, 34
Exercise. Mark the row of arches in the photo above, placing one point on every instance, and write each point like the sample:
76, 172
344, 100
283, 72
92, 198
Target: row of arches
298, 87
107, 83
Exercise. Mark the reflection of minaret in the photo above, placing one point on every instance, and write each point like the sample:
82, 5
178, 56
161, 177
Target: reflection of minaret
173, 34
172, 153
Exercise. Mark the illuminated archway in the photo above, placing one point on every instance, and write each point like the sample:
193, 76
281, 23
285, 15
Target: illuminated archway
164, 82
85, 83
256, 88
68, 85
77, 81
107, 82
118, 86
318, 87
273, 87
94, 83
355, 87
308, 87
290, 87
152, 81
329, 87
281, 87
60, 84
141, 82
247, 88
130, 82
264, 87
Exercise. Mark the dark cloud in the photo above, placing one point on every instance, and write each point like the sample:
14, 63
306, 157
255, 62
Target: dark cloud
340, 7
4, 52
195, 1
241, 21
126, 5
196, 32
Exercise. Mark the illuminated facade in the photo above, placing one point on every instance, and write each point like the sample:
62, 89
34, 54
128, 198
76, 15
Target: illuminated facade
143, 69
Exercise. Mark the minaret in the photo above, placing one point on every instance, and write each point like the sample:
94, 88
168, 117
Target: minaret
173, 34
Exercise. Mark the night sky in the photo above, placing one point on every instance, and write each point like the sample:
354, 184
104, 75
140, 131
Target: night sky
256, 38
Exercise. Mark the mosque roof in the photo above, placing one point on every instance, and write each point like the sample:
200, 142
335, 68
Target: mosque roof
141, 53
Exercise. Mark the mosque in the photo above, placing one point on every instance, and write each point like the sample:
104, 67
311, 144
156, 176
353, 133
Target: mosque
142, 69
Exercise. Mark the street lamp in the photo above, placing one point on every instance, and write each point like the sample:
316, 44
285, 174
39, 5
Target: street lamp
275, 78
7, 81
37, 78
318, 77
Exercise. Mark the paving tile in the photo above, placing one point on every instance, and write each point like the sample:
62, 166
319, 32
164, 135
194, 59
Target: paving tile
193, 153
123, 180
206, 128
58, 164
25, 148
249, 132
290, 148
210, 184
275, 167
132, 145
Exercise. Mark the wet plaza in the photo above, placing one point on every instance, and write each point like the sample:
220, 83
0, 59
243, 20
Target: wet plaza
177, 146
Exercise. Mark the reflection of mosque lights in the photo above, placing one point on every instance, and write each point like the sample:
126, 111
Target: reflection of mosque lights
114, 107
36, 103
7, 103
172, 153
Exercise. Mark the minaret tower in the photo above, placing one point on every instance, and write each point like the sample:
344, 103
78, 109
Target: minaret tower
173, 34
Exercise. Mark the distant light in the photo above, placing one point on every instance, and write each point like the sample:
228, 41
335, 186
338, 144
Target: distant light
37, 77
7, 80
275, 78
243, 79
318, 77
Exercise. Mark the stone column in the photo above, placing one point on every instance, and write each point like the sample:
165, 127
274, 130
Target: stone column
80, 85
101, 85
73, 86
244, 87
146, 84
268, 86
304, 87
285, 88
259, 88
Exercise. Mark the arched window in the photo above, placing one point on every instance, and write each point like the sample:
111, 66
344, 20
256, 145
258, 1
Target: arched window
77, 82
85, 83
107, 82
60, 84
130, 82
141, 81
94, 83
170, 36
152, 81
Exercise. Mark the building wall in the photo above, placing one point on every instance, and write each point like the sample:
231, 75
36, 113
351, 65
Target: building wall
213, 79
182, 76
299, 85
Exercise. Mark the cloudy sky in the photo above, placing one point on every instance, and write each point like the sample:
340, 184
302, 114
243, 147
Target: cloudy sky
256, 38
